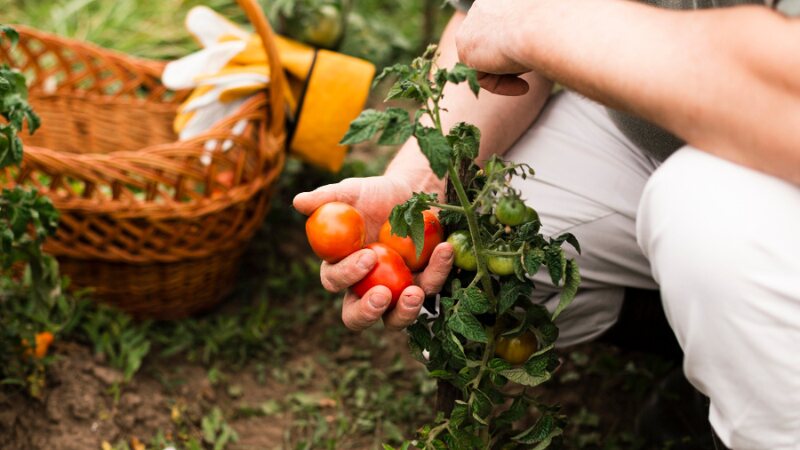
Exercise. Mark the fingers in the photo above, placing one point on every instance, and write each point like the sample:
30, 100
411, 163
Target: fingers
511, 85
347, 272
406, 310
307, 202
435, 274
358, 314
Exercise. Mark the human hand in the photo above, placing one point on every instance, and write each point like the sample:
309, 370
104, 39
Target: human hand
374, 197
485, 43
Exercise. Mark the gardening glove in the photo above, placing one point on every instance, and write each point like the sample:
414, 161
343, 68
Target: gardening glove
326, 90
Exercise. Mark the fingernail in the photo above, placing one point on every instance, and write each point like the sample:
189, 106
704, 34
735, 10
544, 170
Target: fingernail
367, 260
378, 301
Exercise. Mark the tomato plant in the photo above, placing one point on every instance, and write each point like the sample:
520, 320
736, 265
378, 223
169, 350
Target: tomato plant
335, 230
390, 271
30, 301
498, 250
405, 245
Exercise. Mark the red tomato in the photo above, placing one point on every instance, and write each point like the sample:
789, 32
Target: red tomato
405, 246
335, 230
390, 271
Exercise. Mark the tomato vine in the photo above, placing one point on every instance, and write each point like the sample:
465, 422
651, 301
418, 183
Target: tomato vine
478, 307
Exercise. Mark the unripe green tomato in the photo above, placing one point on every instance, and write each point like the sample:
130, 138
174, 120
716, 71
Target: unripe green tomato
531, 214
501, 265
511, 212
464, 252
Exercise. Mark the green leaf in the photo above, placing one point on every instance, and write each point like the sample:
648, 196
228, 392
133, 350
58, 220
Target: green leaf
572, 280
520, 376
543, 432
514, 413
473, 300
10, 33
398, 127
460, 73
407, 219
458, 414
510, 291
465, 140
533, 260
570, 239
467, 325
364, 127
556, 263
436, 148
481, 406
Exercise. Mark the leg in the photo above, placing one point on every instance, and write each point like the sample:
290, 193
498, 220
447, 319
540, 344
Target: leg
723, 244
589, 179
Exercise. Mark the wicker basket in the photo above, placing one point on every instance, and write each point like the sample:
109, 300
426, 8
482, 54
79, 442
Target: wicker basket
144, 222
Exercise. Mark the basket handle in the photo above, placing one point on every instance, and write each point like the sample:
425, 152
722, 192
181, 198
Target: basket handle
277, 79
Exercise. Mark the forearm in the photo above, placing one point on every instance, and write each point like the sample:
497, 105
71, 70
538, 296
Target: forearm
502, 120
724, 80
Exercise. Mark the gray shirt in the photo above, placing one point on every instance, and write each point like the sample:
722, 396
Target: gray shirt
657, 142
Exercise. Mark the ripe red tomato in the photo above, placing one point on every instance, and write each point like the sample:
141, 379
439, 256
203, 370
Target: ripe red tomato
335, 230
517, 349
390, 271
405, 246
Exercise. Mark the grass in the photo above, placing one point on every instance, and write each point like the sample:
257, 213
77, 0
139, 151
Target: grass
380, 31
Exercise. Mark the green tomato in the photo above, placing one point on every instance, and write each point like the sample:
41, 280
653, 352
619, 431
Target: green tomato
464, 252
501, 265
531, 214
321, 27
511, 212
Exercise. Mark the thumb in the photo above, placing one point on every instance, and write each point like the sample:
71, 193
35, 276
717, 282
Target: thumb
345, 191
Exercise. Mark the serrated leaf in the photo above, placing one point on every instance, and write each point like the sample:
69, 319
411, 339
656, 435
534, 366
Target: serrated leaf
510, 291
572, 281
499, 365
556, 263
514, 413
465, 140
458, 414
571, 240
398, 127
520, 376
537, 364
406, 219
533, 260
481, 406
436, 148
364, 127
406, 89
473, 300
542, 433
465, 324
460, 73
